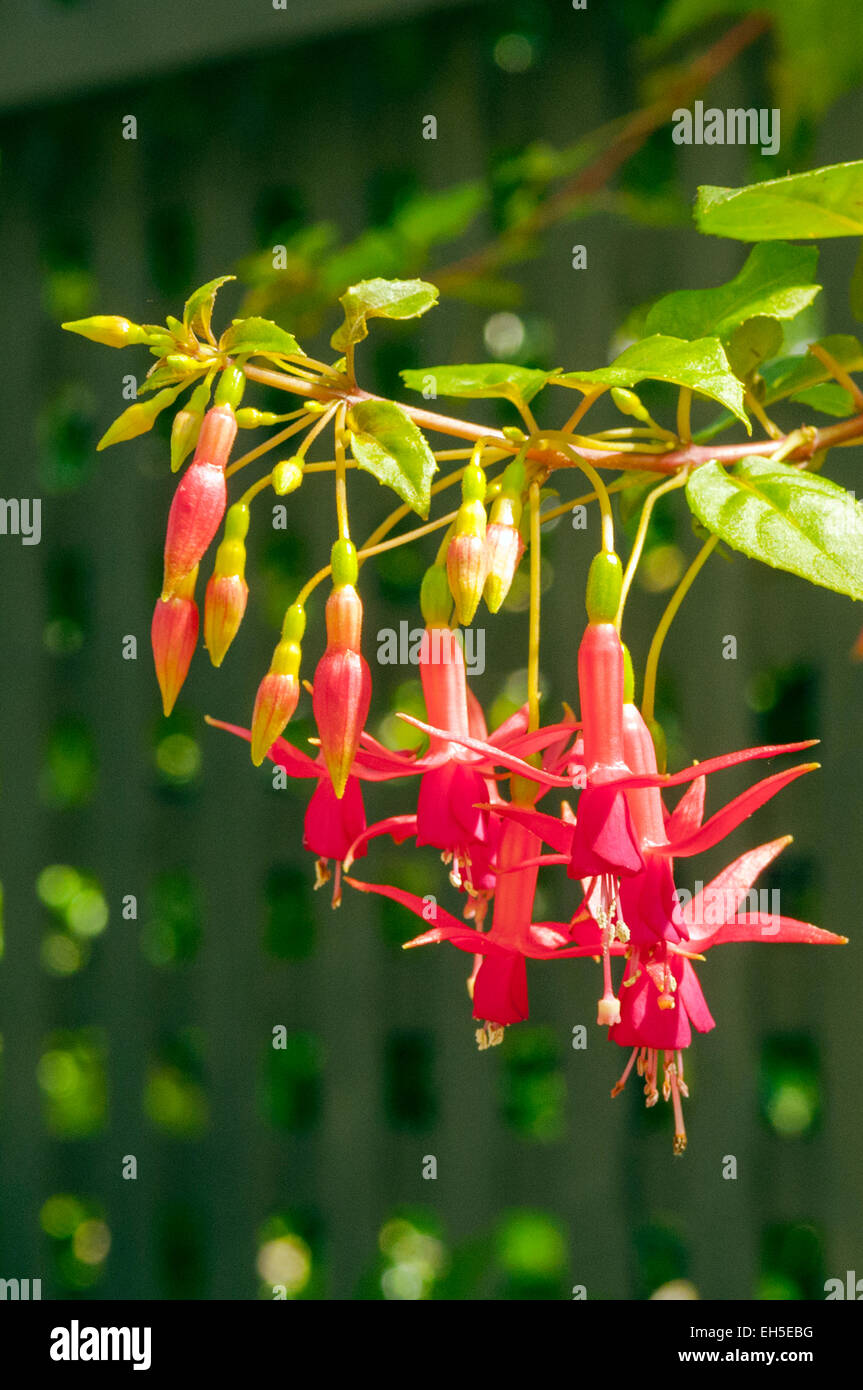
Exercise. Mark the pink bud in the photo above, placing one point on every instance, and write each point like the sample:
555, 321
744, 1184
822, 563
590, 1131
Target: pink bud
342, 686
174, 632
275, 702
200, 499
224, 606
504, 548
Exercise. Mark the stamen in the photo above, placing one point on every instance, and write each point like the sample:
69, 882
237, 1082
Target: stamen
619, 1085
322, 873
489, 1035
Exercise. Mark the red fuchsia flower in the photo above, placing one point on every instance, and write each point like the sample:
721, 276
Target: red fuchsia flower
200, 499
173, 633
333, 825
661, 997
499, 986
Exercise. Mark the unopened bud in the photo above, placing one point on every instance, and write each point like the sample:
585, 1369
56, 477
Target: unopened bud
199, 501
604, 585
287, 476
227, 590
174, 632
435, 597
109, 329
342, 686
279, 691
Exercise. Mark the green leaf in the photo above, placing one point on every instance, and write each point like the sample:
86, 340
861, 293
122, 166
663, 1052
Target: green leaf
429, 218
824, 202
164, 375
198, 310
752, 343
258, 336
480, 380
788, 376
384, 299
386, 442
701, 365
776, 282
830, 398
786, 518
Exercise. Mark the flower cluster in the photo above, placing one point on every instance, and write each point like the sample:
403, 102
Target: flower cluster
479, 798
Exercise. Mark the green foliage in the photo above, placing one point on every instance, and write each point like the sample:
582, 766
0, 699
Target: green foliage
382, 299
786, 518
198, 309
776, 282
480, 380
256, 336
701, 365
387, 443
820, 203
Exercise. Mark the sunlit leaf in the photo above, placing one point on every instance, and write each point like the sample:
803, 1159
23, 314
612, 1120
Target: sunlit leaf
787, 518
824, 202
256, 335
199, 306
482, 379
386, 442
776, 282
701, 365
387, 299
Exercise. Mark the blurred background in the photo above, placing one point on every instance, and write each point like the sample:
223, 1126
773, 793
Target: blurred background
148, 1034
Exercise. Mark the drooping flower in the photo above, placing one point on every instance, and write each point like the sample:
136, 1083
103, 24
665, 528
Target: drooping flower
279, 691
342, 686
200, 499
227, 590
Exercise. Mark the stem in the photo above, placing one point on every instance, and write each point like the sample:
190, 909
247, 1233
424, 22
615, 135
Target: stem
684, 408
582, 408
535, 599
599, 488
844, 378
641, 537
665, 622
341, 478
269, 444
664, 461
255, 488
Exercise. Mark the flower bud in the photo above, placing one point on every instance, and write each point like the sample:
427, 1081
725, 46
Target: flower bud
435, 597
138, 418
232, 384
173, 633
604, 584
199, 502
227, 590
109, 329
465, 558
287, 476
342, 685
279, 691
504, 545
186, 428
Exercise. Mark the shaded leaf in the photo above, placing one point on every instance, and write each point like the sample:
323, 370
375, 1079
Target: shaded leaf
386, 442
752, 343
789, 519
775, 282
824, 202
701, 365
788, 376
479, 380
387, 299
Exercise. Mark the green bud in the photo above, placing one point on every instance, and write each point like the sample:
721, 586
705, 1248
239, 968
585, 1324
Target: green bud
435, 597
184, 435
628, 404
343, 559
108, 329
232, 384
604, 584
138, 418
181, 363
513, 434
287, 476
250, 419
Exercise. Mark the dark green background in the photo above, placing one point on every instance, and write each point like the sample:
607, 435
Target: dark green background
152, 1037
